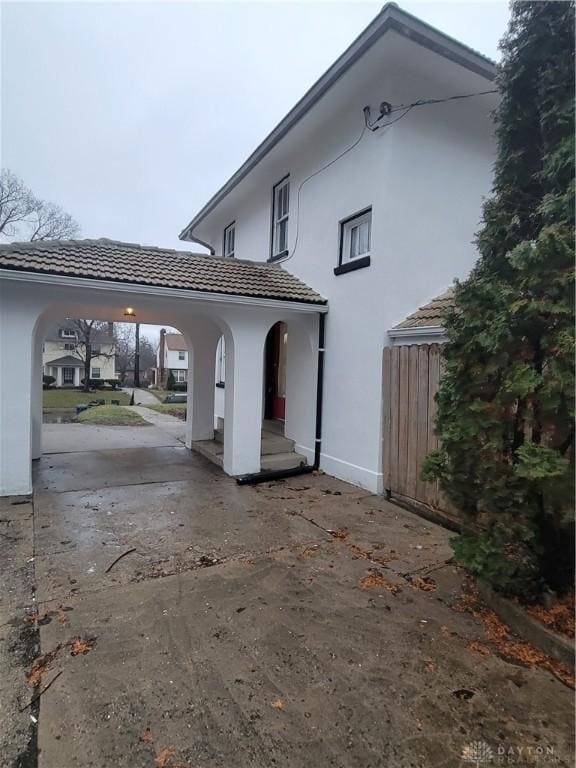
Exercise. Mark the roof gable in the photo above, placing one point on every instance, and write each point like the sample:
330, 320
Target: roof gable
175, 342
391, 17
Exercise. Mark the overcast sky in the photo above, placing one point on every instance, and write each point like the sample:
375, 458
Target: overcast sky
131, 115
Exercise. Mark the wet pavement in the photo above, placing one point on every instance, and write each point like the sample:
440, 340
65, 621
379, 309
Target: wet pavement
275, 625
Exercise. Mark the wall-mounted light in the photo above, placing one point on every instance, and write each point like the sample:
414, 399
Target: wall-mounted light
129, 312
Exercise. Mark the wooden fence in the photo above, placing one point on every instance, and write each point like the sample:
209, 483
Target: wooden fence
411, 375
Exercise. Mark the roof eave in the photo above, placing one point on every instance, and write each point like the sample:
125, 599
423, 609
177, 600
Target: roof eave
391, 17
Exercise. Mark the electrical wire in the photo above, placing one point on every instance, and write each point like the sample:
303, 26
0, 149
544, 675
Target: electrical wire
320, 170
375, 126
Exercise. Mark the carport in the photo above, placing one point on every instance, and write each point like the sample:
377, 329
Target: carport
206, 297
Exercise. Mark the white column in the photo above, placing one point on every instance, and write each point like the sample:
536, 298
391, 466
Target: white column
243, 398
16, 338
59, 376
36, 395
201, 384
76, 377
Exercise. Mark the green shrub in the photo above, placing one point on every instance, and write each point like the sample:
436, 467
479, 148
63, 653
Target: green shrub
47, 381
506, 399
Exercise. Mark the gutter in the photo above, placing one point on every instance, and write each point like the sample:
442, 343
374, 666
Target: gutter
417, 331
303, 469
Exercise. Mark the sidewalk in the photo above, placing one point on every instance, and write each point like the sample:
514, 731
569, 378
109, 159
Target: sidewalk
171, 425
141, 396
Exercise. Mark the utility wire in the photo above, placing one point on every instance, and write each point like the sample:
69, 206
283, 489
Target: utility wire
389, 109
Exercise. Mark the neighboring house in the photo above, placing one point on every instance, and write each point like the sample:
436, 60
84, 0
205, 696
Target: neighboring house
63, 354
374, 204
171, 358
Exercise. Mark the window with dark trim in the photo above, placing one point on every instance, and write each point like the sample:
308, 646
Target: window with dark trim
355, 242
280, 213
229, 240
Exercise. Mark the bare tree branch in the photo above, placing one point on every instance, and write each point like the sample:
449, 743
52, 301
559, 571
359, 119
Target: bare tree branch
26, 217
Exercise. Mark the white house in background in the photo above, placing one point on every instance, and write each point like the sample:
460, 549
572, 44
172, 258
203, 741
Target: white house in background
369, 191
63, 354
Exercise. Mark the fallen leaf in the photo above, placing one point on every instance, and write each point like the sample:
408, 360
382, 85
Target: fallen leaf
147, 736
430, 666
477, 647
278, 704
81, 646
340, 534
62, 618
375, 580
162, 758
41, 665
426, 584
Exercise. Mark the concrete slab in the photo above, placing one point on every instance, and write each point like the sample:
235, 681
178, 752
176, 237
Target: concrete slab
238, 632
72, 438
101, 469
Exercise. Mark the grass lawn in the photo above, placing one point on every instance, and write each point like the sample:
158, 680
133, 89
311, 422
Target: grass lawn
68, 398
173, 409
111, 415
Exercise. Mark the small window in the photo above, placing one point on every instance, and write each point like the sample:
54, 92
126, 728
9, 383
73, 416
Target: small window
69, 347
280, 210
220, 363
95, 373
67, 333
181, 355
179, 375
355, 238
230, 240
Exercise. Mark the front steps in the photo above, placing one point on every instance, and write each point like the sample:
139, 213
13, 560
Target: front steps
277, 451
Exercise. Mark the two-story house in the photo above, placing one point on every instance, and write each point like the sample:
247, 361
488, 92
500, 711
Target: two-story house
171, 358
64, 352
370, 191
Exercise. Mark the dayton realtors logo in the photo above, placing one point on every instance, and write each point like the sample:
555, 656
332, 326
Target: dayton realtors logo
477, 753
480, 754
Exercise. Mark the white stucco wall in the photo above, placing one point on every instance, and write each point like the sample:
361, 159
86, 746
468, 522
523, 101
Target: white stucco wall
424, 178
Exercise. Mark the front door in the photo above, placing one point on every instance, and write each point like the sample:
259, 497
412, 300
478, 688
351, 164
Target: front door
67, 376
275, 405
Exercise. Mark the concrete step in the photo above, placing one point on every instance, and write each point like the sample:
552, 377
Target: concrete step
211, 450
272, 443
287, 460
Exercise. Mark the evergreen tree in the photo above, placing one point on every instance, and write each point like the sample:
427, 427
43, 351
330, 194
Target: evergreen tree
506, 400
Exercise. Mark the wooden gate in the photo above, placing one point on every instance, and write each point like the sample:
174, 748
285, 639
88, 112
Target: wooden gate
411, 375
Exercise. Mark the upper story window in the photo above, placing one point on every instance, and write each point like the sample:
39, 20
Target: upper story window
229, 240
69, 347
280, 211
67, 333
181, 355
355, 237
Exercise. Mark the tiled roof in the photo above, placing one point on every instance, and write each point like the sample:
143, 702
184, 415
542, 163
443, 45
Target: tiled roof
176, 342
145, 265
432, 314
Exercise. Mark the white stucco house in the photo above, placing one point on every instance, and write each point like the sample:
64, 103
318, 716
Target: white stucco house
359, 207
64, 352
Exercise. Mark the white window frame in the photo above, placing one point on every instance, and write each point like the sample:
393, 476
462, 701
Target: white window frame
229, 246
280, 218
180, 375
351, 247
95, 373
181, 355
66, 333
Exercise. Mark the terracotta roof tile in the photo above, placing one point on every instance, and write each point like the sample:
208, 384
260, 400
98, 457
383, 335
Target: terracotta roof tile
146, 265
431, 314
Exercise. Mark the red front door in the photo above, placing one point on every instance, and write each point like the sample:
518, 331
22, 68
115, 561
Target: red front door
276, 372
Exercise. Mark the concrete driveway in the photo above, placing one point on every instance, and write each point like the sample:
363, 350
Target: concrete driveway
276, 625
